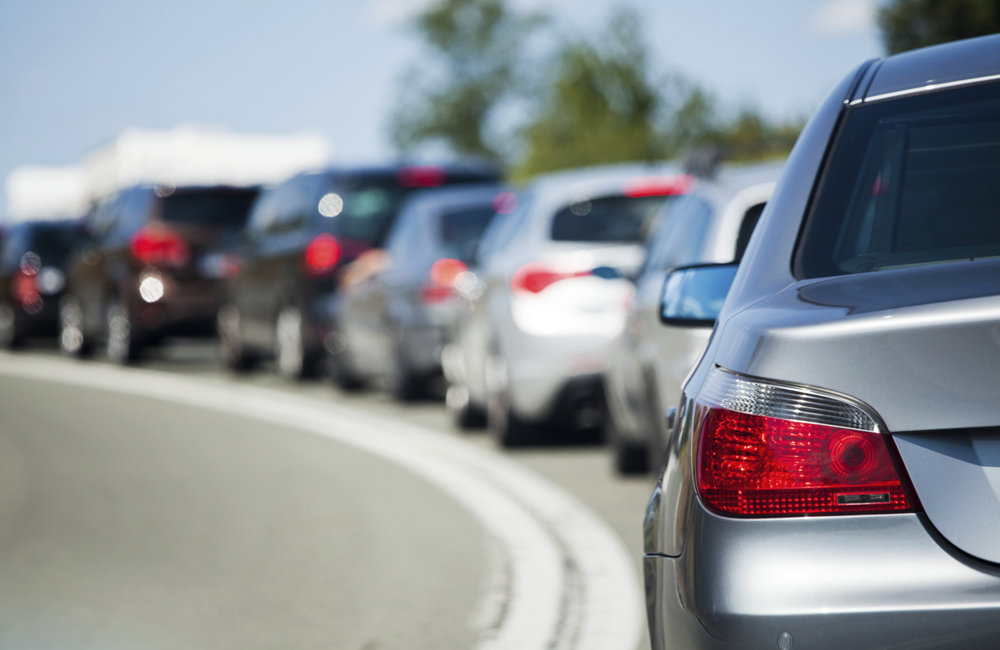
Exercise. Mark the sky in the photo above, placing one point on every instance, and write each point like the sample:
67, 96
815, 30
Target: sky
74, 74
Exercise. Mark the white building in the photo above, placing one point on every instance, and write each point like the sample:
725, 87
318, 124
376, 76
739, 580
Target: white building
185, 155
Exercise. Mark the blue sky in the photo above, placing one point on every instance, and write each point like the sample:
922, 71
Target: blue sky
73, 74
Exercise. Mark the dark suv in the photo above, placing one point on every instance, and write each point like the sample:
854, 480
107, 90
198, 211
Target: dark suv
32, 277
150, 267
306, 238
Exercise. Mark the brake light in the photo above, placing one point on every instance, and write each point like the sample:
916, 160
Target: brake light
659, 186
422, 176
444, 274
158, 246
768, 450
25, 289
322, 254
535, 278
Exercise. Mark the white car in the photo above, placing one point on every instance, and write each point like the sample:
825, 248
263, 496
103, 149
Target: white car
650, 360
533, 344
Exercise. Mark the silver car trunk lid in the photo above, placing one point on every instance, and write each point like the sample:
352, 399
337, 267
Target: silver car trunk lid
921, 346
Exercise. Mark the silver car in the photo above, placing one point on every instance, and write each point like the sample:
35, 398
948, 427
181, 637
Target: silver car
394, 322
649, 361
534, 342
833, 480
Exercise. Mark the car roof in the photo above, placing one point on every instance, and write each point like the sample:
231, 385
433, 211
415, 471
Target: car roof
582, 183
940, 66
465, 168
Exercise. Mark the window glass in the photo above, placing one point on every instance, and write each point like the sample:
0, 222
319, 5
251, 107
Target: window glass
503, 230
750, 219
606, 219
460, 230
911, 181
226, 208
678, 239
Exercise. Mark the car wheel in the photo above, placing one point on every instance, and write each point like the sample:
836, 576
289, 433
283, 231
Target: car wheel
504, 425
464, 414
630, 457
72, 340
10, 337
404, 384
232, 352
290, 350
123, 338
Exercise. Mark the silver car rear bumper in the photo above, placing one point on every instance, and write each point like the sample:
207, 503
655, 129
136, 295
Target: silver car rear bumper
876, 581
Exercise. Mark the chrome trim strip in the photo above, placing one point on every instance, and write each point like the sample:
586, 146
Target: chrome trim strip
932, 87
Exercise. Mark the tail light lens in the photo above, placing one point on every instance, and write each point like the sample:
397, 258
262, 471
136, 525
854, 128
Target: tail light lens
769, 450
25, 289
322, 255
659, 186
421, 176
444, 274
535, 278
158, 246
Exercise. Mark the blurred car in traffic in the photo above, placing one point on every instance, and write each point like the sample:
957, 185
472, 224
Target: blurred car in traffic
306, 239
150, 265
832, 477
650, 360
393, 325
532, 344
33, 258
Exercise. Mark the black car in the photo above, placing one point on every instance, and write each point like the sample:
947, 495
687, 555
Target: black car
394, 325
306, 239
33, 258
151, 266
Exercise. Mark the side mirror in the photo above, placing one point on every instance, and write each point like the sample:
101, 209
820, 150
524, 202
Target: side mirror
693, 295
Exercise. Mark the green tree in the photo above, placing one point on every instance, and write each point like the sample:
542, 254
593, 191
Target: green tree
475, 67
600, 106
909, 24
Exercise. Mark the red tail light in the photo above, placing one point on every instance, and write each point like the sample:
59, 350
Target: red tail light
759, 455
659, 186
25, 289
157, 246
322, 254
535, 278
444, 273
422, 176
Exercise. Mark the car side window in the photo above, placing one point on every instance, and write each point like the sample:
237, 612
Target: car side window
263, 212
750, 219
679, 237
501, 232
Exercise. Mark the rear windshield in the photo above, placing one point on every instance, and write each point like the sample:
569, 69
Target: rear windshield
54, 240
461, 230
911, 181
365, 207
607, 219
221, 208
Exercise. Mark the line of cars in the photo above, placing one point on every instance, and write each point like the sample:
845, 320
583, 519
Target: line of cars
398, 276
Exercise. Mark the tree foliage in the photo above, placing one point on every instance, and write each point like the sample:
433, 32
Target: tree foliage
601, 106
909, 24
590, 101
476, 49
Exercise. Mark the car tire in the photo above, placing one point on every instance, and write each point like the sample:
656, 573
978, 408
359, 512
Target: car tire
464, 414
11, 337
290, 355
630, 457
405, 385
232, 351
123, 344
504, 425
73, 340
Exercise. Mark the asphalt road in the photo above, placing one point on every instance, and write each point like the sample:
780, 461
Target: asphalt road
175, 506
